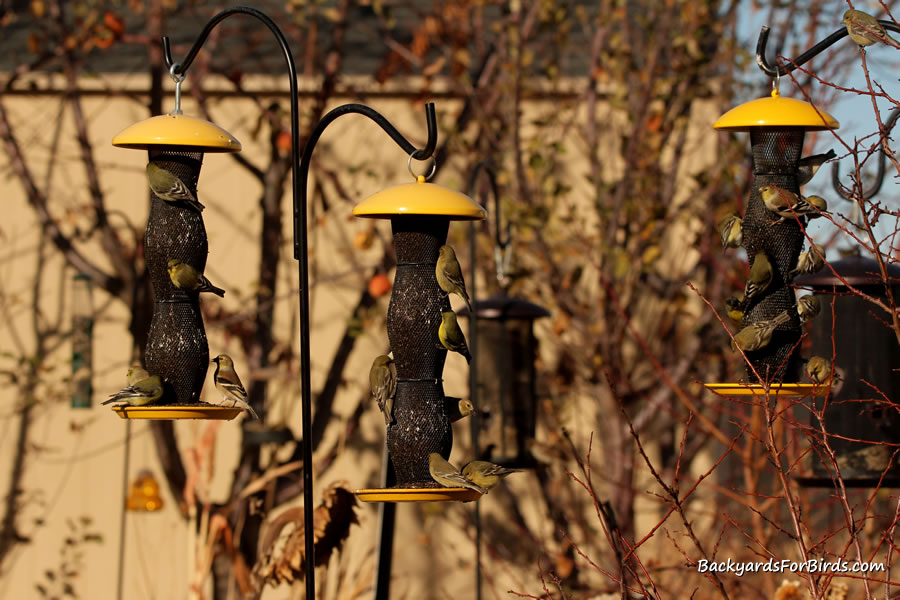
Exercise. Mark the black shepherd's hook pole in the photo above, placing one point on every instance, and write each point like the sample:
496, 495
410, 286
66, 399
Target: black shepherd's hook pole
299, 176
793, 63
879, 173
485, 168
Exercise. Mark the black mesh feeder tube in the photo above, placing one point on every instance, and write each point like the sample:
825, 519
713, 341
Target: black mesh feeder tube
177, 348
420, 215
777, 128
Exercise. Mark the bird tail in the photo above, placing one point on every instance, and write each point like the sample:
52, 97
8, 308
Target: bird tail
783, 317
195, 204
468, 356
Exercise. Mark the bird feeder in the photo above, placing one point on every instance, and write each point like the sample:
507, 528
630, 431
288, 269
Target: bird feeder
777, 128
177, 348
420, 215
866, 356
508, 404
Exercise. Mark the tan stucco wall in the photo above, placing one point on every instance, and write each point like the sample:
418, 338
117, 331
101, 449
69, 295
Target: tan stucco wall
76, 461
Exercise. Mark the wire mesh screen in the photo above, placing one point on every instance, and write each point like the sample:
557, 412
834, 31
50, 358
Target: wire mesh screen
177, 349
420, 426
776, 152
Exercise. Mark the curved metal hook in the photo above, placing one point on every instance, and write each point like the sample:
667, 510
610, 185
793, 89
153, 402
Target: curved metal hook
793, 63
879, 174
502, 249
486, 168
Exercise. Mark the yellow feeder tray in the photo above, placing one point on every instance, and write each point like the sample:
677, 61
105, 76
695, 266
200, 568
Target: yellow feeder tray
784, 390
776, 111
418, 495
178, 131
420, 198
220, 413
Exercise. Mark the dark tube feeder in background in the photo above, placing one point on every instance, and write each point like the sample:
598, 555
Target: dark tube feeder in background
507, 405
866, 357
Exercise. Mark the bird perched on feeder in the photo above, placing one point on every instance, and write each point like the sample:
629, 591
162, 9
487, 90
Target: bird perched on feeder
730, 230
449, 274
760, 276
864, 29
788, 205
139, 393
819, 370
229, 384
449, 476
451, 336
383, 383
808, 307
186, 277
808, 166
136, 373
457, 408
486, 474
758, 335
808, 262
735, 308
167, 186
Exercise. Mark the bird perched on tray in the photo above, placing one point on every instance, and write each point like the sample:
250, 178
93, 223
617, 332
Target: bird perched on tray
864, 29
167, 186
229, 384
758, 335
819, 370
457, 408
140, 392
808, 166
730, 230
808, 262
808, 307
451, 336
486, 474
383, 383
449, 476
136, 373
760, 277
449, 274
186, 277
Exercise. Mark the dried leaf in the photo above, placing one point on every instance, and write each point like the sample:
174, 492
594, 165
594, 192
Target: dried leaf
282, 549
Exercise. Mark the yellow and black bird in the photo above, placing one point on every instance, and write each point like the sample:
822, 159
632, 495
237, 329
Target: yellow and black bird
486, 474
186, 277
449, 476
451, 336
167, 186
229, 384
140, 393
383, 383
449, 274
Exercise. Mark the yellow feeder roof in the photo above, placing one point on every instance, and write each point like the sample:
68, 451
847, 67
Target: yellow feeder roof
184, 133
420, 198
776, 111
